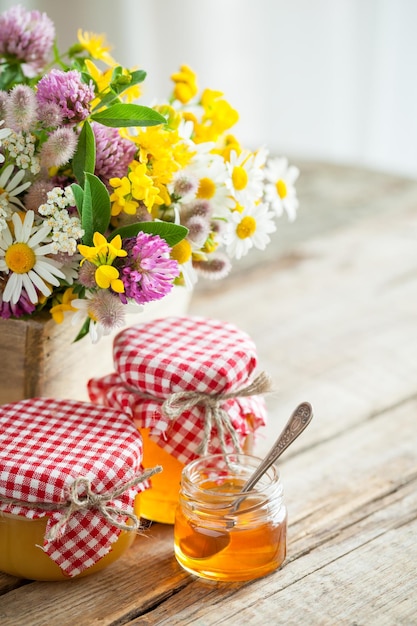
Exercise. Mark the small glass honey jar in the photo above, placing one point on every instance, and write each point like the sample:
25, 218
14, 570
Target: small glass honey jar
221, 535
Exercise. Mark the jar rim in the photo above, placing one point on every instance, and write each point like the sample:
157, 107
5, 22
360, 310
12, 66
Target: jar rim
220, 463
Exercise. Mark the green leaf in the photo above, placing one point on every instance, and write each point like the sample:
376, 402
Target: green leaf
120, 81
117, 71
172, 233
137, 77
11, 75
84, 330
85, 76
87, 215
122, 115
78, 196
100, 203
106, 100
84, 159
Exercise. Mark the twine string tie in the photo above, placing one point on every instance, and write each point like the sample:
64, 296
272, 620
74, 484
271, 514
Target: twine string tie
81, 497
215, 414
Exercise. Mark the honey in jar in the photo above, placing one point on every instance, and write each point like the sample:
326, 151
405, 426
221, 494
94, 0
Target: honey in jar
218, 534
21, 555
70, 478
160, 502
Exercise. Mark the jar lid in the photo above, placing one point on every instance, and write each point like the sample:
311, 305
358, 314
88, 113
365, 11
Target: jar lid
56, 457
191, 354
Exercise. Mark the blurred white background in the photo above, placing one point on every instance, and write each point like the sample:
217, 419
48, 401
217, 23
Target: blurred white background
329, 80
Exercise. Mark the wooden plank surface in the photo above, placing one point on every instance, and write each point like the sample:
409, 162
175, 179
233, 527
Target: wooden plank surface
356, 517
334, 320
351, 539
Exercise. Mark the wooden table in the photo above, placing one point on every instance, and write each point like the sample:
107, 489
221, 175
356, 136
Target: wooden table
332, 306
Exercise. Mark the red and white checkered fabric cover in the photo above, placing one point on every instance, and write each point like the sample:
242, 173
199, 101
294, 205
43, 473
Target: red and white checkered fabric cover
177, 354
45, 444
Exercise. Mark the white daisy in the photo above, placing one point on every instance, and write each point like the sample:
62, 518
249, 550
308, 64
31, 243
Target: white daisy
4, 132
69, 266
213, 186
245, 181
6, 212
25, 261
261, 156
249, 228
186, 131
189, 275
11, 186
280, 191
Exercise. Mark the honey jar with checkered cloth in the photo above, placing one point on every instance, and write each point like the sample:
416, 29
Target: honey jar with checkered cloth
70, 475
190, 385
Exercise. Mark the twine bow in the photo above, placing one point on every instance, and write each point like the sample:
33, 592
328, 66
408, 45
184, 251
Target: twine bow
88, 500
215, 414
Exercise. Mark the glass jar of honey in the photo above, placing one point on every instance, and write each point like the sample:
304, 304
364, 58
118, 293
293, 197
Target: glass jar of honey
160, 502
221, 535
70, 481
21, 555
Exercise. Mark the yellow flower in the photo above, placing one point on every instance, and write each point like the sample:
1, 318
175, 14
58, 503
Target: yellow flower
163, 151
230, 144
58, 310
108, 276
173, 117
185, 87
164, 193
143, 188
103, 252
189, 116
121, 197
137, 186
210, 245
96, 46
181, 252
102, 79
217, 118
246, 227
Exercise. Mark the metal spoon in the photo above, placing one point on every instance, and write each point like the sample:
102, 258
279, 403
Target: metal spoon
204, 542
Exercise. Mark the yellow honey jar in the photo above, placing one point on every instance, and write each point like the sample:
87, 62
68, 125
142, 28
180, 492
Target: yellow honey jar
160, 502
20, 553
190, 387
70, 478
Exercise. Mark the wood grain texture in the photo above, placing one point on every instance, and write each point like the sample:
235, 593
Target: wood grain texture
333, 314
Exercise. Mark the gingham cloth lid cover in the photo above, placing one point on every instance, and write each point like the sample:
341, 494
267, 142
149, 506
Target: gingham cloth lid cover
185, 353
45, 444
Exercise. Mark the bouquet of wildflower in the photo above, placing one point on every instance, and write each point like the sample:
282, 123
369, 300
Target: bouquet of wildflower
105, 204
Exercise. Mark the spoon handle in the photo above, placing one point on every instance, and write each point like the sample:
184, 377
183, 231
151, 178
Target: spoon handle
299, 420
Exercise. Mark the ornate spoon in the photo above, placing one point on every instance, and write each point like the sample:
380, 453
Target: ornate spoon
203, 544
